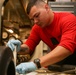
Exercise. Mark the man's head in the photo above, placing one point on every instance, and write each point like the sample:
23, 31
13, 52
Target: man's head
32, 3
39, 12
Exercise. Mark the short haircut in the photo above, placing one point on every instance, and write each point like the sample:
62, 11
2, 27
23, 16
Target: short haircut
32, 3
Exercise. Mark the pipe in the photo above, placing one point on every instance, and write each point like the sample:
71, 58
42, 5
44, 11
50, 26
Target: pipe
2, 4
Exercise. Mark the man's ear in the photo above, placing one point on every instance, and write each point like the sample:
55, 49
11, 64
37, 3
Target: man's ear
47, 7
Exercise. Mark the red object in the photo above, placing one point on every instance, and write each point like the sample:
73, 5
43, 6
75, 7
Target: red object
63, 29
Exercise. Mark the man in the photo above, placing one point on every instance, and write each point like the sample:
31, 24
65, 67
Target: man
57, 30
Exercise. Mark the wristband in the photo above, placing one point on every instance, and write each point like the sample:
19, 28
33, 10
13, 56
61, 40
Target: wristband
37, 62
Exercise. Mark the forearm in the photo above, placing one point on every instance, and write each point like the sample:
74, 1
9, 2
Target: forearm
56, 55
24, 50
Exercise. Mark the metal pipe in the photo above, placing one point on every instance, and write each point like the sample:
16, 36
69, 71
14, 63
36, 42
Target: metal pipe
2, 4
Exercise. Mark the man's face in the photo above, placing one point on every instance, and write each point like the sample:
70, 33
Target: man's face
40, 16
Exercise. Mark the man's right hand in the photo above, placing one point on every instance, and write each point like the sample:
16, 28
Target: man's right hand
12, 43
26, 67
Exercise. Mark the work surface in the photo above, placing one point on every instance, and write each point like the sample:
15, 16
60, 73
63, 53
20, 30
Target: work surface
44, 71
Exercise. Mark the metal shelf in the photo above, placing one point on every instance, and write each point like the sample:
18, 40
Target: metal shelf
63, 6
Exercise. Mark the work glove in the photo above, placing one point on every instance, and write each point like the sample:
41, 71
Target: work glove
24, 68
14, 43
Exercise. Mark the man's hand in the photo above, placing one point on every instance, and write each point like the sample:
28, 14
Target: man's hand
12, 43
24, 68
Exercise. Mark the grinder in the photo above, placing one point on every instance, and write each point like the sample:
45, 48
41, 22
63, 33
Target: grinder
7, 66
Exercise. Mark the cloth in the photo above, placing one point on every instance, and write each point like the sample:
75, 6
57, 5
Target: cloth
62, 31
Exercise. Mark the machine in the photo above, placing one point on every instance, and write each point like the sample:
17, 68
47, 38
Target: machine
7, 66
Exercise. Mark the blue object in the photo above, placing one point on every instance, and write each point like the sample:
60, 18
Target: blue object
12, 43
24, 68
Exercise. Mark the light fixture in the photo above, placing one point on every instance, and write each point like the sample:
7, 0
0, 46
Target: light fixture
11, 31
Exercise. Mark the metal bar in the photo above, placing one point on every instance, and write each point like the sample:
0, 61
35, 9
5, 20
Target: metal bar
62, 6
1, 4
70, 71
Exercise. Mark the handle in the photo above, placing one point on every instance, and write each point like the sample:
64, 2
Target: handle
15, 55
